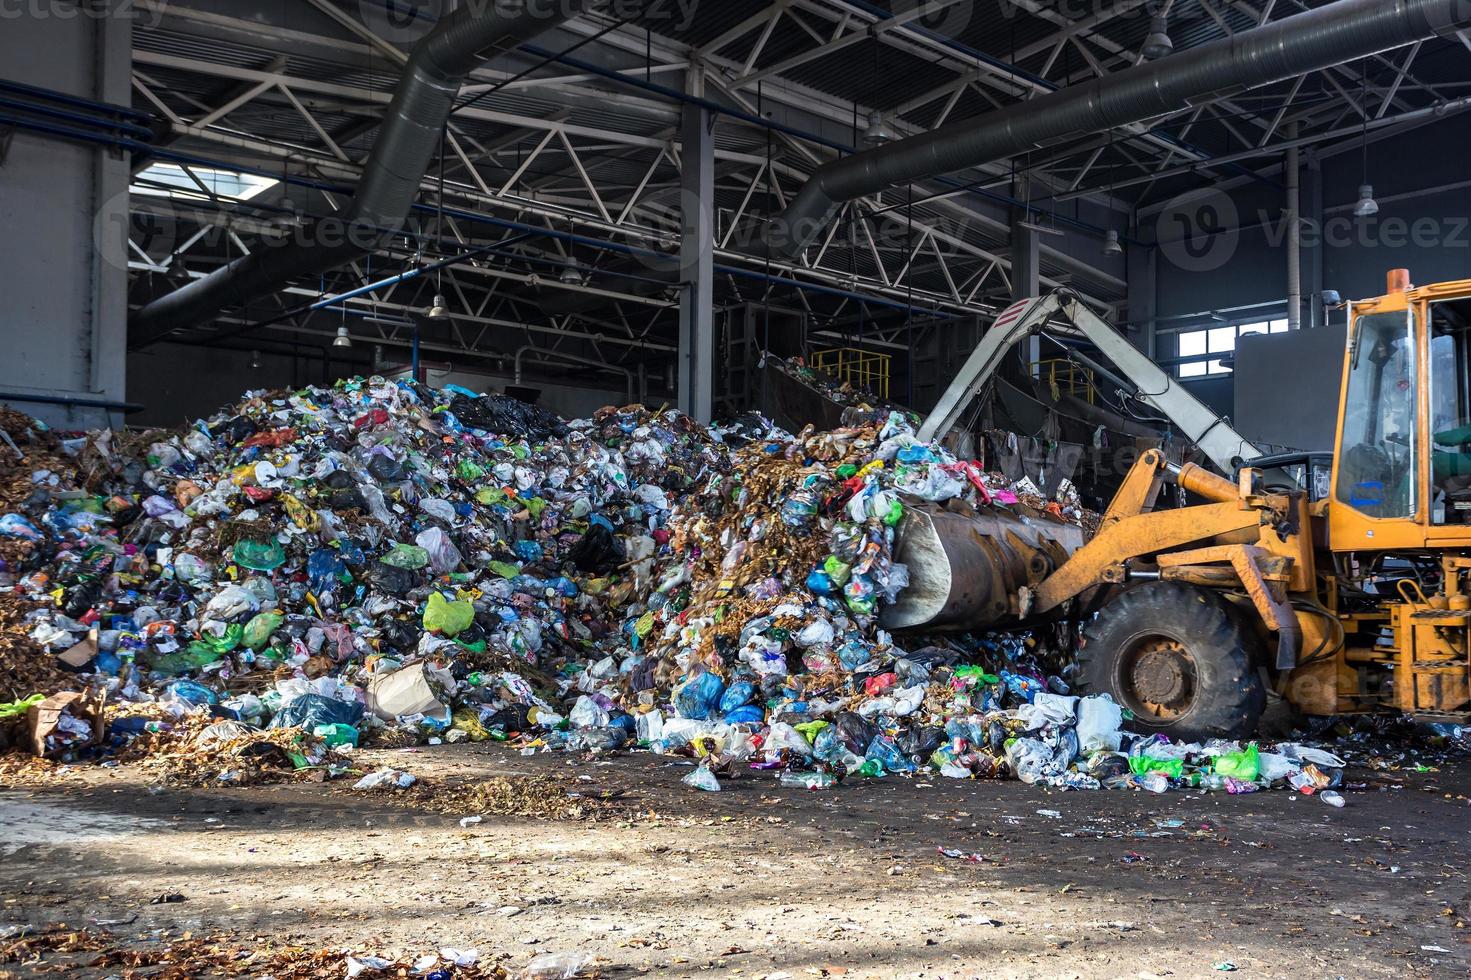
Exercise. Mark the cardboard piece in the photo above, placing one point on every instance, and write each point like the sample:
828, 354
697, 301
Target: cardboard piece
44, 718
405, 691
82, 653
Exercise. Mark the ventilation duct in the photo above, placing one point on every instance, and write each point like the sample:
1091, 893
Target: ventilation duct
1329, 35
406, 144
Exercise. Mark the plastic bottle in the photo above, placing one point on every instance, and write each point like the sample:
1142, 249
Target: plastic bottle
808, 780
1331, 798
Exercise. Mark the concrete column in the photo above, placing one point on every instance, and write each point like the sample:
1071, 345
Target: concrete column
697, 269
1141, 297
1026, 267
1312, 243
64, 207
1293, 214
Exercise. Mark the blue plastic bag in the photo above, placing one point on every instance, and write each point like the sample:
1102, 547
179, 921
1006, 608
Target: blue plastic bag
192, 692
699, 696
737, 695
750, 714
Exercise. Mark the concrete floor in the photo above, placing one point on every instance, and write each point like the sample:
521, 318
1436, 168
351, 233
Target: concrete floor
762, 881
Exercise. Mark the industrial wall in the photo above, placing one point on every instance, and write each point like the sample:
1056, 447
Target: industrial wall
63, 208
1238, 273
178, 383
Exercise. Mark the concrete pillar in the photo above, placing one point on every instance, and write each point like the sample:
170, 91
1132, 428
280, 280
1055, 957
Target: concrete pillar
1312, 239
64, 210
1293, 214
697, 264
1026, 267
1141, 297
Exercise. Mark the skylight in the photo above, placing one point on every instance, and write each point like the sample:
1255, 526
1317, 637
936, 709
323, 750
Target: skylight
175, 181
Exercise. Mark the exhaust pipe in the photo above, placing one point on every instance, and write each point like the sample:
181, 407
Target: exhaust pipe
1328, 35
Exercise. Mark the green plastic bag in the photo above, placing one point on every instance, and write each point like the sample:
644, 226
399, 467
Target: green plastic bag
504, 568
16, 709
448, 618
1244, 765
193, 657
491, 496
837, 569
233, 634
409, 556
469, 470
258, 631
535, 505
337, 734
1141, 765
260, 556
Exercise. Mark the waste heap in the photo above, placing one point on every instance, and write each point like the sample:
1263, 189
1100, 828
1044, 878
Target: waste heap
388, 562
335, 561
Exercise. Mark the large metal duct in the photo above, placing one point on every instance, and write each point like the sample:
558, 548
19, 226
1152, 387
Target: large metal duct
406, 145
1329, 35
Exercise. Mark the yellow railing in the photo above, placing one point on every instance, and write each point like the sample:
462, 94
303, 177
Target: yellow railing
1065, 377
859, 368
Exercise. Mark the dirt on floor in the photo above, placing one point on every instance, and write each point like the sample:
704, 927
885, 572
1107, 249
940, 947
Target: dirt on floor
901, 877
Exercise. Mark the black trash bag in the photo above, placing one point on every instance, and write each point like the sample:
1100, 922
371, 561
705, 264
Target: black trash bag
351, 499
311, 710
385, 469
294, 626
608, 739
81, 598
503, 414
339, 480
513, 718
641, 678
919, 743
854, 732
126, 515
235, 430
391, 579
933, 657
596, 551
398, 634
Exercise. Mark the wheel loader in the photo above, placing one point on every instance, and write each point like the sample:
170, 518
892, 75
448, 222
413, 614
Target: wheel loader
1342, 590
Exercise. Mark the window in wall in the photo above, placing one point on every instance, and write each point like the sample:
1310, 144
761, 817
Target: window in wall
1199, 344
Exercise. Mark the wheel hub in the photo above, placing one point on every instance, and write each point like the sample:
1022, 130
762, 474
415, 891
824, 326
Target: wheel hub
1161, 676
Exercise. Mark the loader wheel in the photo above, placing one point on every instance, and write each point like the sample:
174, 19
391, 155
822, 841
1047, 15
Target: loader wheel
1179, 658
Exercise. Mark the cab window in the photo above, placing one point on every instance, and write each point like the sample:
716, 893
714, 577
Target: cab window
1376, 465
1450, 422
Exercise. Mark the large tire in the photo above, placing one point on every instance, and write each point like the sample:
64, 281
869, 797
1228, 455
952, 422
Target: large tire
1179, 658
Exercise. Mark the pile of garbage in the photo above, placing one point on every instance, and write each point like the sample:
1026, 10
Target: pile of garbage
385, 563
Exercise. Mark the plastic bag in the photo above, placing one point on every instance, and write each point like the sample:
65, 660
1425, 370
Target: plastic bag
407, 556
737, 695
446, 617
314, 710
231, 602
1242, 765
699, 696
444, 557
260, 556
1099, 721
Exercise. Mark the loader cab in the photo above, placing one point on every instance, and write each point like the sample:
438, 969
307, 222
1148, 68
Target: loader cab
1402, 466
